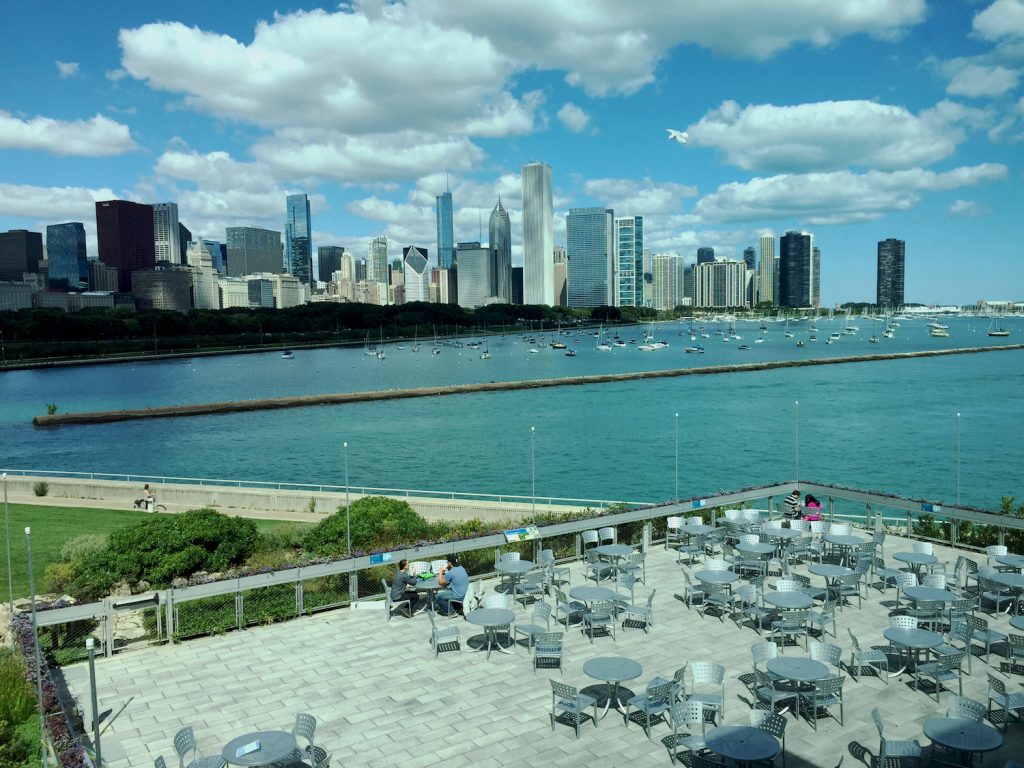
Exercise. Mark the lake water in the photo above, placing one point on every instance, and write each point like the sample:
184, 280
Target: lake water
887, 425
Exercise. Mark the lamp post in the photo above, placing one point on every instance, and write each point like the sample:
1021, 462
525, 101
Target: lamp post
958, 458
35, 644
676, 497
348, 508
89, 643
533, 474
796, 442
7, 531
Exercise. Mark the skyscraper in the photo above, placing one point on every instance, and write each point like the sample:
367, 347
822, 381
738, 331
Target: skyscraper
538, 235
669, 279
750, 257
796, 270
889, 289
252, 250
328, 261
445, 230
475, 269
721, 284
815, 277
377, 261
766, 271
167, 244
20, 252
499, 231
705, 255
184, 240
65, 252
417, 274
629, 256
124, 234
590, 248
298, 238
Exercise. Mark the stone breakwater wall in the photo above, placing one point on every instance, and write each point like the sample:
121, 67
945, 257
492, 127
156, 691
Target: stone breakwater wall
205, 409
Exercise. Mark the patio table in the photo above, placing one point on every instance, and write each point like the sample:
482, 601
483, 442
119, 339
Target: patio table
717, 577
845, 542
965, 737
613, 553
741, 743
430, 586
490, 619
929, 593
1011, 561
514, 569
612, 670
798, 670
760, 548
591, 594
1017, 622
790, 601
916, 560
915, 640
787, 533
1014, 581
275, 746
696, 529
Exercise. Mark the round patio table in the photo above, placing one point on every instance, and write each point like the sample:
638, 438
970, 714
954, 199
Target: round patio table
514, 569
929, 593
614, 550
612, 670
964, 736
844, 541
1008, 579
914, 640
490, 619
430, 586
759, 548
1017, 622
789, 601
717, 577
591, 594
1011, 561
916, 560
787, 533
797, 669
829, 570
696, 529
742, 743
275, 746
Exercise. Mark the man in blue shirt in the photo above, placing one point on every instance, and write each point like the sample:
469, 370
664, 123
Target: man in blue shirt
455, 581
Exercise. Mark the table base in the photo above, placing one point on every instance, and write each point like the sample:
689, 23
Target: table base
491, 641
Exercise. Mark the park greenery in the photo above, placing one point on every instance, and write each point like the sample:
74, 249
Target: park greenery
19, 722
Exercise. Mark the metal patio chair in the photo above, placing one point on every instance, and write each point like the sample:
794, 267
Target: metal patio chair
188, 753
569, 701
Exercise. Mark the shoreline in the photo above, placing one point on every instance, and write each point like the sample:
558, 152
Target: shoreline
302, 401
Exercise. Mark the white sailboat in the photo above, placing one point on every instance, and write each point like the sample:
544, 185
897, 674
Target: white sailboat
995, 328
602, 343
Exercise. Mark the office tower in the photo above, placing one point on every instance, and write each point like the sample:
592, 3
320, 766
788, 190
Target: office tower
361, 270
560, 276
668, 271
261, 291
222, 262
499, 231
205, 290
816, 277
377, 261
216, 250
590, 248
629, 257
102, 277
750, 257
124, 234
721, 284
648, 297
517, 285
184, 241
705, 255
689, 284
796, 270
162, 288
298, 238
766, 270
252, 250
445, 230
166, 235
417, 273
347, 268
474, 265
445, 285
775, 281
891, 258
65, 252
328, 261
538, 235
20, 252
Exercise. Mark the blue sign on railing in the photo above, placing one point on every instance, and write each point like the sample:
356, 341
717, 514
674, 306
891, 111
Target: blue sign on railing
384, 557
521, 534
699, 503
931, 508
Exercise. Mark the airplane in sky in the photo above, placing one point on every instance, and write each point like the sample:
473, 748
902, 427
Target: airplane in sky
680, 136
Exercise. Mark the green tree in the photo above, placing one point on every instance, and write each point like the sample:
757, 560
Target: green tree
377, 523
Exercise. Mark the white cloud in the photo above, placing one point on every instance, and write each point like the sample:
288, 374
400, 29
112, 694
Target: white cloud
573, 117
67, 68
116, 75
1002, 19
97, 137
837, 197
968, 209
52, 203
976, 80
629, 197
830, 135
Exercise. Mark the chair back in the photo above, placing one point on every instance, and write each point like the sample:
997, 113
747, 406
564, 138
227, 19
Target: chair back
770, 722
751, 516
320, 757
507, 557
854, 640
673, 524
923, 547
184, 743
732, 514
840, 529
960, 632
819, 527
160, 762
716, 564
903, 622
749, 538
626, 583
829, 653
498, 601
905, 579
547, 645
563, 691
305, 728
707, 672
606, 534
799, 525
688, 713
788, 585
830, 686
418, 567
995, 550
763, 651
966, 709
589, 537
695, 520
470, 599
541, 613
602, 610
547, 557
436, 566
937, 580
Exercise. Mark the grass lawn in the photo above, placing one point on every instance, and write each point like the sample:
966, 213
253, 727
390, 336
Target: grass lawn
51, 527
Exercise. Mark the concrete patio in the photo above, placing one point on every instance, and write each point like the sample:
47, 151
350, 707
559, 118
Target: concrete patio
381, 698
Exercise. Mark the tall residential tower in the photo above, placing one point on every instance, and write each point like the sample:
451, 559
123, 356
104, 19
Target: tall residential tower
766, 270
445, 230
298, 238
499, 231
538, 235
590, 248
891, 257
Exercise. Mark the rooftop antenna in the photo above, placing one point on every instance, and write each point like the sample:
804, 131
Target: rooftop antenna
446, 189
480, 222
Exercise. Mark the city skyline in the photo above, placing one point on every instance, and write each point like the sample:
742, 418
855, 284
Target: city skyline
903, 122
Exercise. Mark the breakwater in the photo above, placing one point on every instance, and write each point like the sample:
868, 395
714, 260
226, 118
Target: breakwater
301, 401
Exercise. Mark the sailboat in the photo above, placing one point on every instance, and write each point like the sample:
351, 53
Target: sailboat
437, 346
380, 350
486, 354
602, 344
367, 349
416, 339
995, 328
787, 333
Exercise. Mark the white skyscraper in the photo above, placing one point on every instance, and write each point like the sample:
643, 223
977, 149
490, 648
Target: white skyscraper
766, 270
538, 235
165, 232
377, 261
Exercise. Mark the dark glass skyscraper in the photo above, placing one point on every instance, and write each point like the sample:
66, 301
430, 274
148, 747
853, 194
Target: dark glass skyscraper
750, 257
20, 252
590, 247
705, 255
795, 270
445, 230
124, 233
499, 231
328, 259
65, 250
298, 238
889, 290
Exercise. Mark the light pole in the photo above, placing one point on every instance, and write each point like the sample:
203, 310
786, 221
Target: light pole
35, 644
7, 531
796, 443
533, 474
348, 508
677, 458
89, 643
958, 458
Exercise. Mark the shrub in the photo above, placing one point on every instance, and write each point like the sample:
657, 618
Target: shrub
51, 408
17, 702
58, 577
76, 550
41, 488
377, 523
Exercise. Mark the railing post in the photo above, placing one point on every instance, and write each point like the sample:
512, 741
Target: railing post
239, 609
353, 588
298, 597
954, 531
108, 627
910, 524
831, 509
867, 515
1002, 536
169, 616
645, 544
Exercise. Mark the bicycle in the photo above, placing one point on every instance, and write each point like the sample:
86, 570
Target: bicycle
151, 506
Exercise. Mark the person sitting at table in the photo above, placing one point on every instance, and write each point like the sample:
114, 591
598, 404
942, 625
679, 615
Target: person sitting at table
792, 502
812, 508
455, 581
403, 586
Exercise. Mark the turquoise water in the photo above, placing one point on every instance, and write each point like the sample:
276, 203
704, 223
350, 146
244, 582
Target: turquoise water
887, 425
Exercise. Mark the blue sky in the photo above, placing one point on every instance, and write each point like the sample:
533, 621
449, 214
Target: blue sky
856, 121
